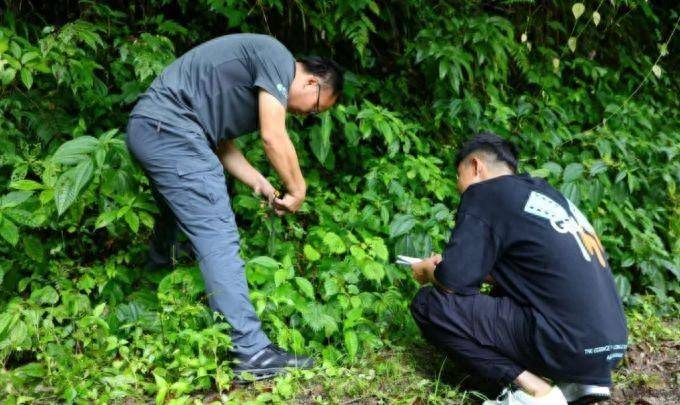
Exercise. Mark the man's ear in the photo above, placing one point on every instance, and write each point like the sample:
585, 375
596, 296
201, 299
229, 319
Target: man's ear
312, 80
476, 165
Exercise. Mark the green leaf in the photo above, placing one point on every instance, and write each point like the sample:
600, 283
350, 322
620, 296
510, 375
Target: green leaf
161, 389
622, 286
146, 219
656, 69
351, 132
26, 185
572, 172
320, 138
571, 43
9, 231
378, 248
34, 248
401, 224
334, 243
71, 183
7, 321
45, 295
26, 78
315, 317
18, 334
31, 370
597, 167
311, 254
132, 220
578, 9
14, 198
373, 270
596, 18
7, 75
104, 219
26, 218
99, 310
76, 150
351, 343
542, 172
571, 192
305, 286
331, 287
29, 56
283, 274
264, 261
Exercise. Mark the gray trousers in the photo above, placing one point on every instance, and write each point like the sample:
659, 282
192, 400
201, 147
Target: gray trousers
190, 189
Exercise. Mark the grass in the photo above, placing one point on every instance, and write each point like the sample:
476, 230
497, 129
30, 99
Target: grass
417, 374
398, 375
411, 372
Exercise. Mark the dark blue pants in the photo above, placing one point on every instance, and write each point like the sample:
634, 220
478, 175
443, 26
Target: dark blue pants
492, 335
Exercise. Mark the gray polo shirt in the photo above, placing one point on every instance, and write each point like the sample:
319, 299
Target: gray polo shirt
213, 88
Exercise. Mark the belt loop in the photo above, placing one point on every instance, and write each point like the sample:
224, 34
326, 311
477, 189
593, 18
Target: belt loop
158, 127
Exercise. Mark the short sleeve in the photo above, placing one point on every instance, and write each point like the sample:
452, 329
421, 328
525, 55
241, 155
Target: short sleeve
468, 257
274, 71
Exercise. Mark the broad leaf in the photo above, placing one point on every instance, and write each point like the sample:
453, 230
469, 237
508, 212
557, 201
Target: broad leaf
76, 150
14, 198
9, 231
401, 224
578, 9
572, 172
351, 343
305, 286
264, 261
311, 254
321, 138
71, 183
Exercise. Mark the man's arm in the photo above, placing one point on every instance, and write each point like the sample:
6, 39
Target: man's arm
281, 152
236, 165
423, 272
469, 256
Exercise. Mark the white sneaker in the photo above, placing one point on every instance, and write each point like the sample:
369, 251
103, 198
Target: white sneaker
519, 397
584, 394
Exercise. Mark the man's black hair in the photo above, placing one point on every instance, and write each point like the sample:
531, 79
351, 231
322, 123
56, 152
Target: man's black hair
331, 74
493, 144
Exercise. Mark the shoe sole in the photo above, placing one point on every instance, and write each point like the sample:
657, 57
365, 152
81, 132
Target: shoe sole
260, 374
590, 399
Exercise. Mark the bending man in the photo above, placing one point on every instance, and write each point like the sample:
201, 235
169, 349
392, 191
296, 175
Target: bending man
182, 132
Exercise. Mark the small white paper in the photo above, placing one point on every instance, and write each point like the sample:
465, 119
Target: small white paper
407, 261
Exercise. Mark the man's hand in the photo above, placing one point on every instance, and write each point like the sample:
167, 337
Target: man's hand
290, 203
264, 188
423, 272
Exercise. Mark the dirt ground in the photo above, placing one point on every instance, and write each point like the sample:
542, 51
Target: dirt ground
649, 375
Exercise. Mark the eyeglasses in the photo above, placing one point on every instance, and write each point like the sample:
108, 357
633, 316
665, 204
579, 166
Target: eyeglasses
317, 110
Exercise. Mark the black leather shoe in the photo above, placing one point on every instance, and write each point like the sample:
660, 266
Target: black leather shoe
267, 363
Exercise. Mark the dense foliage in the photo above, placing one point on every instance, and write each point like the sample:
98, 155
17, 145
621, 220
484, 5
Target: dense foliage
588, 91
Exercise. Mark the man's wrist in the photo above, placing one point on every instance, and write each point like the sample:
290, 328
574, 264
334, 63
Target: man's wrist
299, 192
259, 181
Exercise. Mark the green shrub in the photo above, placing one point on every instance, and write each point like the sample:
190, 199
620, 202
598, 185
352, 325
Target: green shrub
590, 98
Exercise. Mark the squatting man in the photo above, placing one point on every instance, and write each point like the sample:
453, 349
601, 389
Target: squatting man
556, 315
